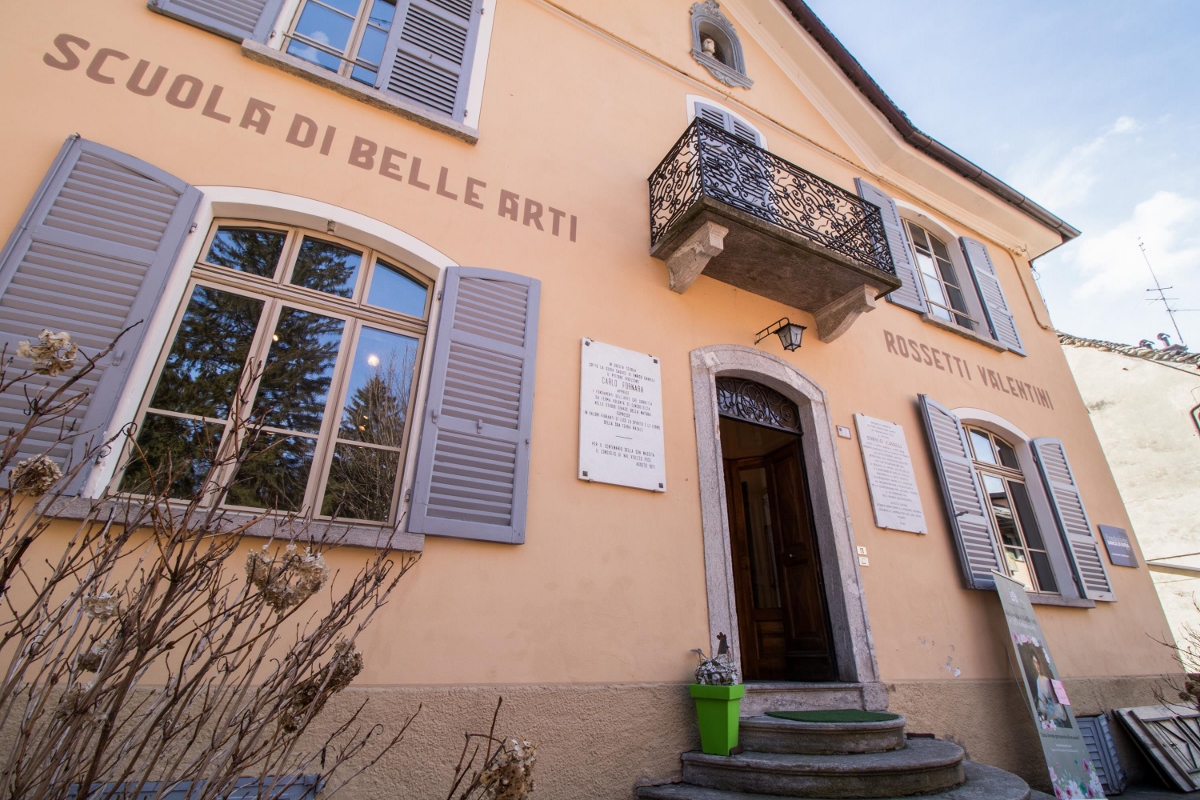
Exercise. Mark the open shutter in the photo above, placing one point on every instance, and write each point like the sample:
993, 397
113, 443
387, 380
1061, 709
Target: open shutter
911, 294
1072, 519
472, 471
233, 19
999, 318
90, 257
427, 59
977, 552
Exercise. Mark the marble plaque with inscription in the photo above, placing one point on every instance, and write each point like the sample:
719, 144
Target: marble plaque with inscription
894, 496
620, 418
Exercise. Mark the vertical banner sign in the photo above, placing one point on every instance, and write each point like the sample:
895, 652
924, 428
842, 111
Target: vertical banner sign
1066, 754
620, 418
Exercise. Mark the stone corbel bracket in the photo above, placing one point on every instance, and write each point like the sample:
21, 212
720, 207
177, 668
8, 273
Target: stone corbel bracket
686, 263
836, 318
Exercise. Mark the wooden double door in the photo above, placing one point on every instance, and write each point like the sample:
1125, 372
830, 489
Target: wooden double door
783, 618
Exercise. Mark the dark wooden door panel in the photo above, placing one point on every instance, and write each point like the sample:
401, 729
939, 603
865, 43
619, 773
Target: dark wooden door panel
783, 621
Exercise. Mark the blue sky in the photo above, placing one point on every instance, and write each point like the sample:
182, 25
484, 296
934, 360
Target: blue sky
1090, 107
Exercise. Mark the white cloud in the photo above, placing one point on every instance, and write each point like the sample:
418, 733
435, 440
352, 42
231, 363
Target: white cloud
1059, 181
1167, 223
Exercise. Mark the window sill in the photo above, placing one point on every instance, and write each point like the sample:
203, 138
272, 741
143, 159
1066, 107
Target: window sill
318, 531
963, 332
1038, 599
721, 71
257, 51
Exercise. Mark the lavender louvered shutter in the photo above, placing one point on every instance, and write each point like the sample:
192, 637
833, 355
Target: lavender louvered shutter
977, 553
995, 306
728, 123
1072, 518
911, 294
89, 257
233, 19
472, 470
427, 58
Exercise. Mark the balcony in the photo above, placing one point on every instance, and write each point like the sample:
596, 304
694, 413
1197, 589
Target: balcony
734, 212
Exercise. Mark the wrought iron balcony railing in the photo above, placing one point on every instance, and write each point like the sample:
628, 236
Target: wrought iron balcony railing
709, 162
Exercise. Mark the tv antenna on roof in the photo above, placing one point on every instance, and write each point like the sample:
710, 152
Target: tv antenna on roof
1162, 292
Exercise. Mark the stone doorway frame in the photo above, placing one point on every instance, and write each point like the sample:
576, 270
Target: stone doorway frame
853, 647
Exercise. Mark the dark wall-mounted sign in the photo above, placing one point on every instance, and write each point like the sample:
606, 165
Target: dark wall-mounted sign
1120, 551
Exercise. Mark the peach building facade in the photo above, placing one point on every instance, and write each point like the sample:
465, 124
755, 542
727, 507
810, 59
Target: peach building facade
462, 187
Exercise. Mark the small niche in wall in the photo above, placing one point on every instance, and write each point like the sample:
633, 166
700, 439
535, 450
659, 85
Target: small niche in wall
715, 45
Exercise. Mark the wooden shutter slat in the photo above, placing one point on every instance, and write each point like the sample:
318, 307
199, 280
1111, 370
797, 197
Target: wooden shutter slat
1071, 518
233, 19
911, 294
90, 258
995, 306
965, 504
428, 54
472, 469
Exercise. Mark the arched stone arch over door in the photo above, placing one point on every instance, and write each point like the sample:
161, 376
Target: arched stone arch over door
843, 584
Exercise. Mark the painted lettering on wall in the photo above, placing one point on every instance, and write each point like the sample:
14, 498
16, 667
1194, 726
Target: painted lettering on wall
105, 65
936, 358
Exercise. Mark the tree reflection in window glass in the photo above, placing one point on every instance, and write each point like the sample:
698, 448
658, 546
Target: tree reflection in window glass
205, 363
274, 473
326, 267
299, 368
182, 452
250, 250
362, 478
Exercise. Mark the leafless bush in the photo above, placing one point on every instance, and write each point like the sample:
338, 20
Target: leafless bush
150, 641
506, 772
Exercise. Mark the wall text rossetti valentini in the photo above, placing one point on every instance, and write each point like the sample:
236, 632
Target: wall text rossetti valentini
937, 358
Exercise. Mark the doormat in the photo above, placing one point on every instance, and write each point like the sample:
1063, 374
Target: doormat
836, 715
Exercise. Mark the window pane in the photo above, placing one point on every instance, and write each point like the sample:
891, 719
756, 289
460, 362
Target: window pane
361, 483
982, 445
1008, 456
1033, 534
947, 272
315, 55
325, 26
925, 264
274, 474
933, 290
364, 75
326, 267
205, 363
917, 235
299, 369
180, 452
939, 249
380, 383
371, 48
247, 249
393, 290
382, 13
345, 6
1017, 567
1045, 575
955, 295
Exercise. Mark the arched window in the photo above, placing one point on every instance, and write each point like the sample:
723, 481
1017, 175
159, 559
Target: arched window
944, 288
715, 45
1013, 520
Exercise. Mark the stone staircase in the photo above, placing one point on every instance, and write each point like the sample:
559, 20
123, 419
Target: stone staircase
827, 760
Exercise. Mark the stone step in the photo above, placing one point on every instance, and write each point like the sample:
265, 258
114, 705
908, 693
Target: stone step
764, 696
924, 766
773, 735
983, 783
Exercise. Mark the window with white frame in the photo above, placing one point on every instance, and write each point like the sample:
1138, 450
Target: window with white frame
311, 341
1011, 512
942, 285
418, 51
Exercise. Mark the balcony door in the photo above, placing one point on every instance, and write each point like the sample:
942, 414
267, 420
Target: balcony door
783, 618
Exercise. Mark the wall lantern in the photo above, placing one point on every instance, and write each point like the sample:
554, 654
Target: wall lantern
789, 333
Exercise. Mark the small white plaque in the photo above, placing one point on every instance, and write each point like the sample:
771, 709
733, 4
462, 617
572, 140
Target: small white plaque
843, 431
620, 418
894, 496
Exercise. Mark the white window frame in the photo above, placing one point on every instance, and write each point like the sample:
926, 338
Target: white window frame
483, 44
1064, 573
222, 202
